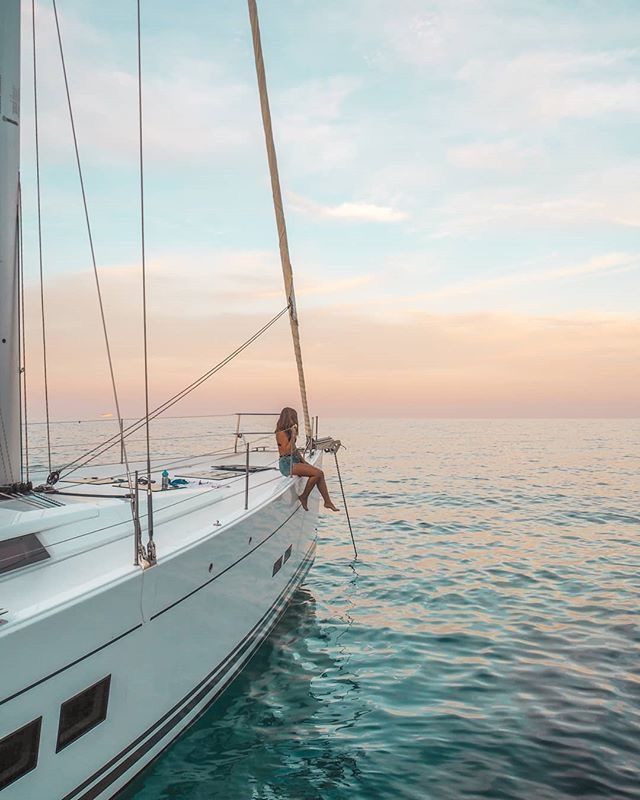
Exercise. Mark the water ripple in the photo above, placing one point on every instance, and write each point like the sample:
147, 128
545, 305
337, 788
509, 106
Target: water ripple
486, 644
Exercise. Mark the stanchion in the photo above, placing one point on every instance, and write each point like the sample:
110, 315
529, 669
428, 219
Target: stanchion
137, 531
246, 481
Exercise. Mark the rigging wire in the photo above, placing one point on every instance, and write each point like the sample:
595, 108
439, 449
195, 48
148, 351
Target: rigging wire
42, 307
144, 281
101, 448
231, 481
77, 445
88, 224
22, 333
127, 535
346, 507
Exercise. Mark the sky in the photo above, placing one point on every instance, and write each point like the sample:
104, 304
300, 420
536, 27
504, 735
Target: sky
462, 187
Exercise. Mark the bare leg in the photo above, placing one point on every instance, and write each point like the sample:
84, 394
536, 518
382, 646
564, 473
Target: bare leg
324, 491
304, 497
316, 476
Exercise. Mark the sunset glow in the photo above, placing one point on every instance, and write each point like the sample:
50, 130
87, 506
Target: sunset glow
462, 194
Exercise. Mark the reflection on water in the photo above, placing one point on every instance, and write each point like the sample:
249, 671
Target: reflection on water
486, 643
244, 743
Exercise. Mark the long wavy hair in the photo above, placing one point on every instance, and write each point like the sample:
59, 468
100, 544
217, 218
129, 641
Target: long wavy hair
288, 421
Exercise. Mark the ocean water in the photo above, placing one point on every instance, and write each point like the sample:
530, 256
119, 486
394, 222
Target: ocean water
486, 643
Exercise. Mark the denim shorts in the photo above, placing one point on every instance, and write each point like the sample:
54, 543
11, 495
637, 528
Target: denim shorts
286, 465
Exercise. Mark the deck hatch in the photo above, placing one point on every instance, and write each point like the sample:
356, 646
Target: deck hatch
19, 752
81, 713
20, 552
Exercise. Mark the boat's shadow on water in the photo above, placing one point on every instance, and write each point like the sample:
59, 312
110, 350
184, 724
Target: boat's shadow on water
260, 739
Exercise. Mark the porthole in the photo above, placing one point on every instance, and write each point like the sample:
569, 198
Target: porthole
287, 553
276, 567
83, 712
20, 552
19, 752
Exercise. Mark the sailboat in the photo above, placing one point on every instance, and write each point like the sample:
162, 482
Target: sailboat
129, 599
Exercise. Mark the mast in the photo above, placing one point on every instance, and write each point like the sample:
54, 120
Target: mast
10, 448
285, 260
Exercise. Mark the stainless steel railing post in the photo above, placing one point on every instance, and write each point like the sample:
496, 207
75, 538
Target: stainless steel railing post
246, 481
235, 444
137, 533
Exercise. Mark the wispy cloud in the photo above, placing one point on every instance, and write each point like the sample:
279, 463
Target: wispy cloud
355, 211
605, 197
465, 139
599, 265
505, 155
192, 106
311, 130
540, 88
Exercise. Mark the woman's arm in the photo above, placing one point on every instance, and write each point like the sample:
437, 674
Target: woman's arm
285, 445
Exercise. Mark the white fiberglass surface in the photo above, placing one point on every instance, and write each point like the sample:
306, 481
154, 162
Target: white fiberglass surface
90, 541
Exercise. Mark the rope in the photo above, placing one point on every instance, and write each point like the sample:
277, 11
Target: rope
183, 462
142, 516
287, 271
144, 288
346, 507
166, 507
98, 450
88, 223
44, 333
59, 447
23, 338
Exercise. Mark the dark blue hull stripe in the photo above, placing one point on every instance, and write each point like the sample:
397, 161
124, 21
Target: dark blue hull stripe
72, 664
135, 628
156, 732
226, 569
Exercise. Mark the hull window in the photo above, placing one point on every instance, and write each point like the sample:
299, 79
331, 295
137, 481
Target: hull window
287, 554
20, 552
276, 566
83, 712
19, 752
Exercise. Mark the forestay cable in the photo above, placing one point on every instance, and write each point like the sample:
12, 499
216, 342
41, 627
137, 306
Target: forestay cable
101, 448
283, 243
42, 314
88, 223
144, 290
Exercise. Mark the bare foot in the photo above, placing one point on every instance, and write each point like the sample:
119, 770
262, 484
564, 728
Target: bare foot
331, 507
303, 502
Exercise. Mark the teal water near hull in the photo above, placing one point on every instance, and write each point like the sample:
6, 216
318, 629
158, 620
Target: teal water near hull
485, 644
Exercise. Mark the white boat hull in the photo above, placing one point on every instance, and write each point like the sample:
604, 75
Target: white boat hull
172, 638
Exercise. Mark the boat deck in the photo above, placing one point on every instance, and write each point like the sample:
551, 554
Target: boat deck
85, 534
